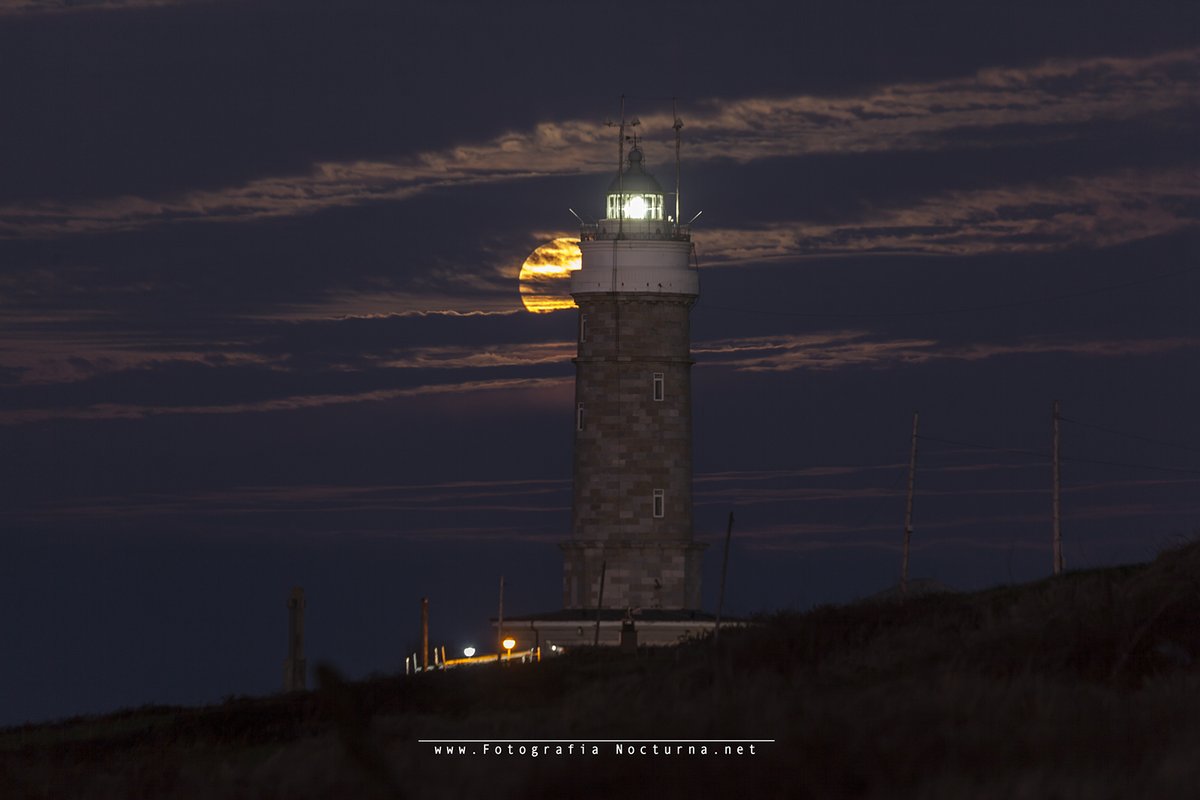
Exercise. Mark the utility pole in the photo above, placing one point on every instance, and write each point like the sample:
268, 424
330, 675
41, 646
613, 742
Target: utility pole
724, 569
500, 624
424, 634
912, 480
1057, 500
600, 601
295, 669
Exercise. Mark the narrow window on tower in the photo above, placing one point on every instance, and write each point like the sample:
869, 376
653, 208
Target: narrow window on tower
579, 417
659, 384
583, 327
660, 502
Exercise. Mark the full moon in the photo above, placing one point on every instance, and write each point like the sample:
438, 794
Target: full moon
545, 276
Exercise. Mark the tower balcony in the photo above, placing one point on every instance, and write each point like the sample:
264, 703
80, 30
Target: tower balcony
608, 229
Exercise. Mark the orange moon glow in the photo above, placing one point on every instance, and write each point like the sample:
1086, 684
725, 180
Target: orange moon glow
545, 284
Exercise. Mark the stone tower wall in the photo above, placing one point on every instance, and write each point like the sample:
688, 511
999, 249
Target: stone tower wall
629, 445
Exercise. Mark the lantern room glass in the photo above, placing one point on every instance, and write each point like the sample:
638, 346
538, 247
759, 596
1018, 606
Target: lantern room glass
636, 206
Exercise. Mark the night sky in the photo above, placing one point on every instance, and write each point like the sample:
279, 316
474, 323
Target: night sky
260, 322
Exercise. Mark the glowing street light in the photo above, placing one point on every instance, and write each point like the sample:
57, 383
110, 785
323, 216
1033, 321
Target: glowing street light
509, 644
468, 651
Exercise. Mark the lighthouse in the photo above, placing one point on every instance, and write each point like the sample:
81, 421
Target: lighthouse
631, 569
631, 544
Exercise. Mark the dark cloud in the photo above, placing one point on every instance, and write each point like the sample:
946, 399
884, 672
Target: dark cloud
946, 114
63, 6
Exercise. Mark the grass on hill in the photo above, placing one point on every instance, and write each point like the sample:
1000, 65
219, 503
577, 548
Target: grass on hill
1087, 685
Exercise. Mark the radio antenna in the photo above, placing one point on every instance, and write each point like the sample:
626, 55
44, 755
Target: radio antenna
620, 186
677, 126
621, 170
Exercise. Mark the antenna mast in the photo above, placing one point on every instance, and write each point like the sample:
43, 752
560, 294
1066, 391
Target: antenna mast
621, 138
620, 188
621, 179
677, 126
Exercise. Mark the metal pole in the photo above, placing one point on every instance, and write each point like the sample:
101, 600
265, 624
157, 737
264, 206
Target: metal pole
724, 569
424, 633
620, 189
677, 126
908, 508
1057, 503
500, 622
600, 601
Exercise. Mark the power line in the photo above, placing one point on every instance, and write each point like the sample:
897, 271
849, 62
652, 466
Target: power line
1180, 470
963, 310
978, 446
888, 495
1139, 437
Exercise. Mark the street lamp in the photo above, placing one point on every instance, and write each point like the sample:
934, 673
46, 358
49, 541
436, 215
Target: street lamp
509, 644
468, 651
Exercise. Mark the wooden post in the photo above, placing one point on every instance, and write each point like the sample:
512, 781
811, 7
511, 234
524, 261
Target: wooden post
600, 601
724, 569
1056, 503
500, 624
908, 507
424, 633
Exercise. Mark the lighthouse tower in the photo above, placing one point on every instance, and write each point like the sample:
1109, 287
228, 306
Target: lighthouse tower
632, 502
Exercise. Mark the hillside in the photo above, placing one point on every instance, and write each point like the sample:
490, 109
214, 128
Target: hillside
1082, 686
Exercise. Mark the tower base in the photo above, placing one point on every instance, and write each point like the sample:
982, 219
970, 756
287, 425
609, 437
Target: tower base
637, 574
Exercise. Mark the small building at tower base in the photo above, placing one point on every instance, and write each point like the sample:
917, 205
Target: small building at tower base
570, 628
